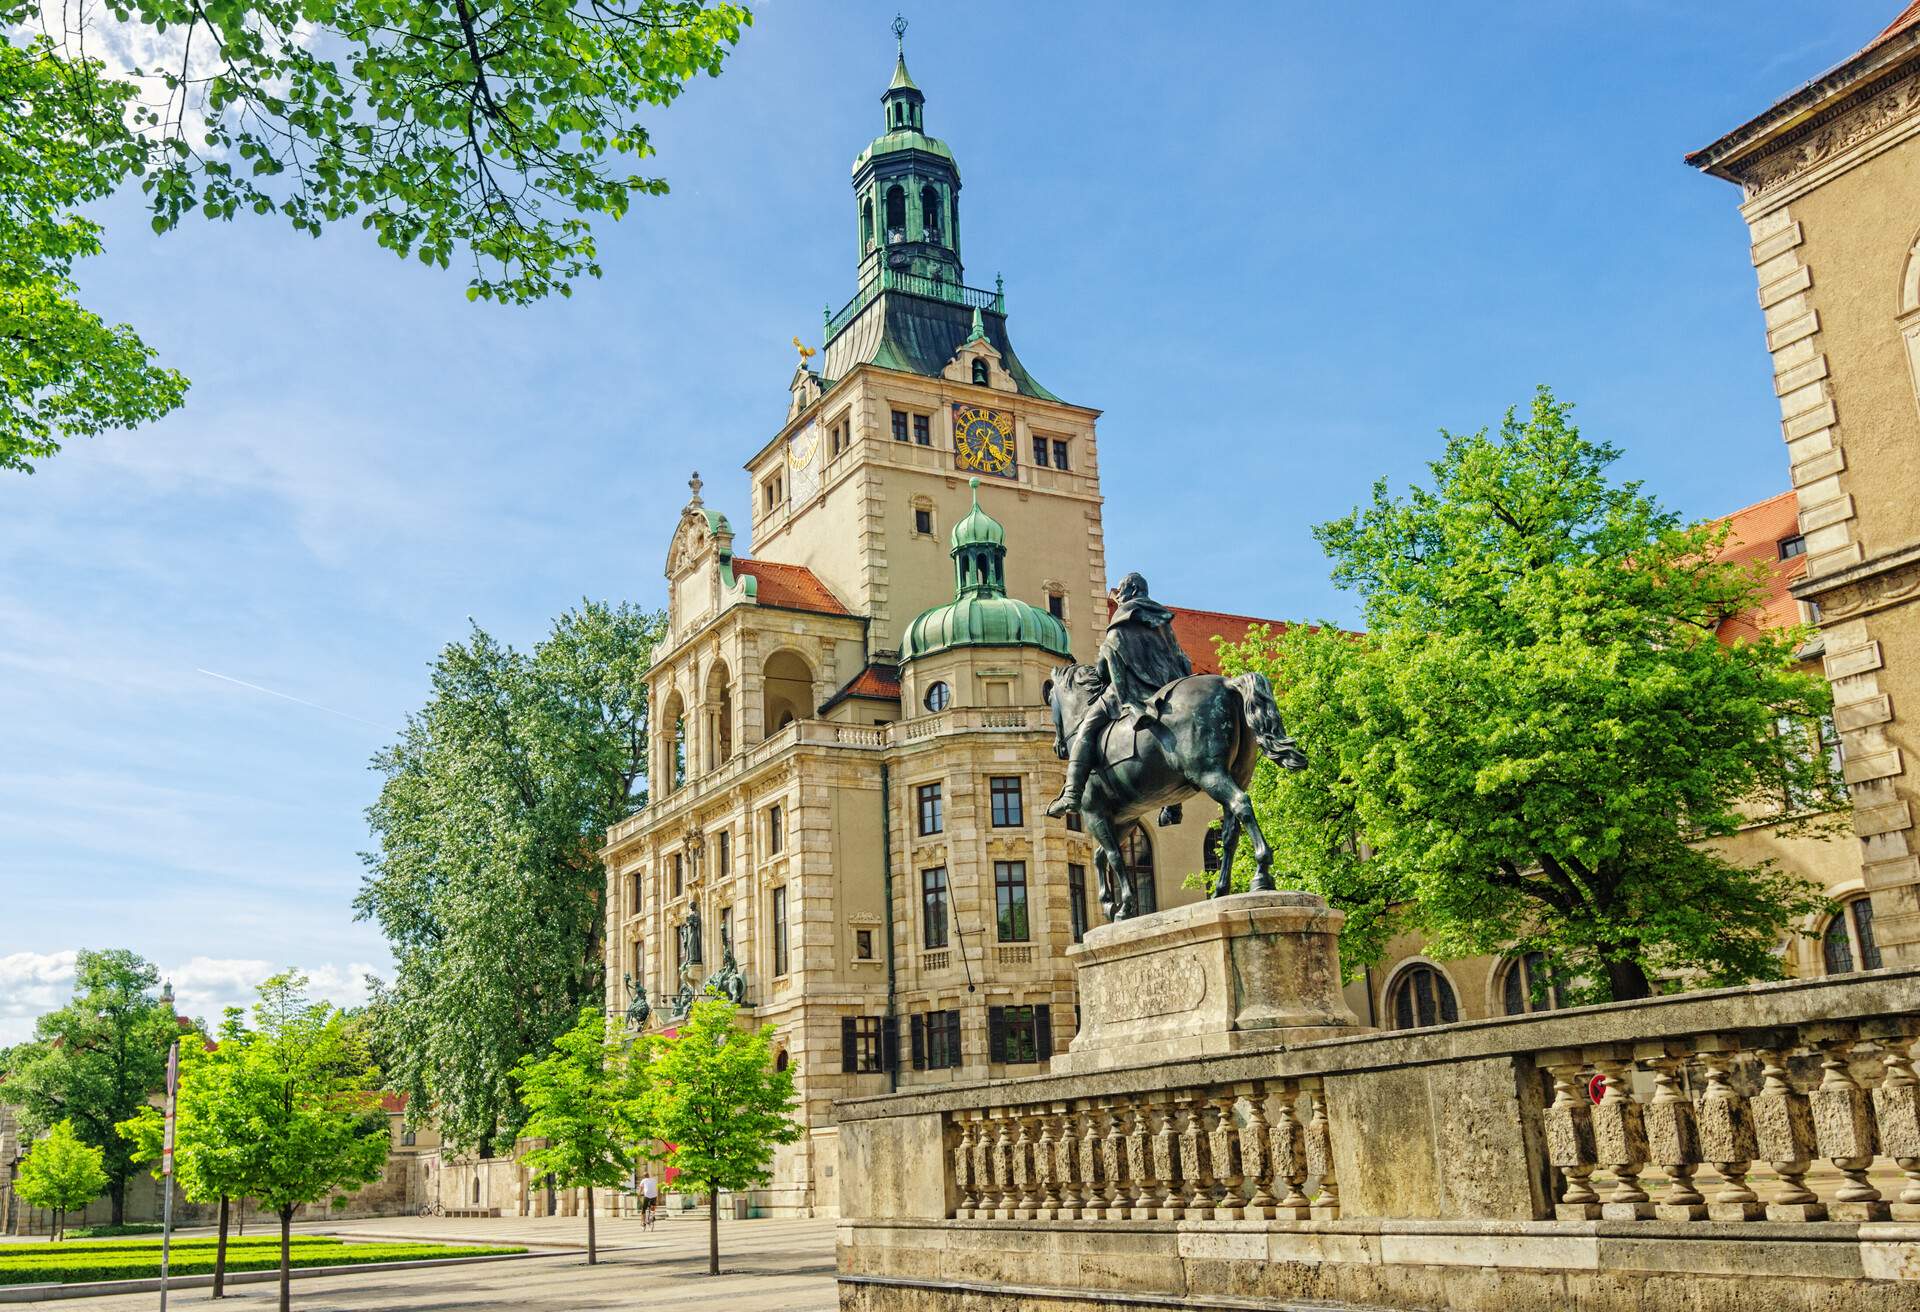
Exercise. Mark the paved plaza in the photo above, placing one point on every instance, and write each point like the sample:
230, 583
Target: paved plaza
766, 1265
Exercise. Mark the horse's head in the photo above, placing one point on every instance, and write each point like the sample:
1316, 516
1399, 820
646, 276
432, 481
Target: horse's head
1073, 687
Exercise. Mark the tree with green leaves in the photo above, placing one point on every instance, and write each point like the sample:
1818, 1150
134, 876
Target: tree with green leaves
1527, 747
715, 1096
61, 1174
97, 1060
488, 881
305, 1099
217, 1155
585, 1102
497, 134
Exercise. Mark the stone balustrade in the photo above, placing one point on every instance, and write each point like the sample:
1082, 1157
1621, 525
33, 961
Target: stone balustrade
1765, 1140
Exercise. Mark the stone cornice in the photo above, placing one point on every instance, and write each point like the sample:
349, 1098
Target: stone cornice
1864, 588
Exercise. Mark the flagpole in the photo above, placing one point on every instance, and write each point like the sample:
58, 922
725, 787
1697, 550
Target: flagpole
166, 1173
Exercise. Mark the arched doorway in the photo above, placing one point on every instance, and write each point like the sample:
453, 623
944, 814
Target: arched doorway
788, 681
719, 701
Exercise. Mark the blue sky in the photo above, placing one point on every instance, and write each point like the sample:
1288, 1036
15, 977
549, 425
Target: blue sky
1279, 249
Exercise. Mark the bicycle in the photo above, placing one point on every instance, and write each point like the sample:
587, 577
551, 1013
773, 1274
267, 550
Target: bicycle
648, 1206
432, 1209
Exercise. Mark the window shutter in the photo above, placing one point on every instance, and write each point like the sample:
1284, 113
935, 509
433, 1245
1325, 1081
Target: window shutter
890, 1043
953, 1038
996, 1034
917, 1035
849, 1045
1043, 1031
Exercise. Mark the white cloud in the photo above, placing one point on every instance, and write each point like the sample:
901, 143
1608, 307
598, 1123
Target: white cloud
33, 983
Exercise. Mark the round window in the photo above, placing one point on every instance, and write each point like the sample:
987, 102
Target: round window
939, 696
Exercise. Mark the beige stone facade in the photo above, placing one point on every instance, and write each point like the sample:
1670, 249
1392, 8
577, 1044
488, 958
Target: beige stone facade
1829, 178
862, 822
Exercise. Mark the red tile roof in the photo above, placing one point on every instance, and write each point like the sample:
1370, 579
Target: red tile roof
1909, 17
792, 587
1755, 535
1196, 630
875, 681
393, 1102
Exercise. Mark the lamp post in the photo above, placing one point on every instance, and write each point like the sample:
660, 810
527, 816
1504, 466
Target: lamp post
166, 1173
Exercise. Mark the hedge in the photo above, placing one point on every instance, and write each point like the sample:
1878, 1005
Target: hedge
65, 1266
153, 1245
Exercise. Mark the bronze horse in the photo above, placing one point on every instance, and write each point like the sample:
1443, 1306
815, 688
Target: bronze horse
1207, 734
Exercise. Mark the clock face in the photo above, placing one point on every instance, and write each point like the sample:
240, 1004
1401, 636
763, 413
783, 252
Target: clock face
983, 440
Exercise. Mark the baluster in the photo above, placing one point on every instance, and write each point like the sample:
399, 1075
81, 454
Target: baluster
980, 1173
1140, 1184
1569, 1122
1166, 1161
1290, 1154
1673, 1138
1046, 1166
1726, 1133
1194, 1198
1896, 1110
1256, 1153
1113, 1156
1223, 1153
1003, 1202
1843, 1132
1783, 1126
1326, 1204
1092, 1170
1027, 1202
965, 1187
1620, 1141
1067, 1152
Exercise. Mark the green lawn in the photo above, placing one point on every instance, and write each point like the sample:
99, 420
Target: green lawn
135, 1259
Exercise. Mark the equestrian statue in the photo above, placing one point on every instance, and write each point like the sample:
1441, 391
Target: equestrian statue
1139, 729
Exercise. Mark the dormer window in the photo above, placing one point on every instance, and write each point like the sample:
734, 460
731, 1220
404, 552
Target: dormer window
981, 377
1793, 546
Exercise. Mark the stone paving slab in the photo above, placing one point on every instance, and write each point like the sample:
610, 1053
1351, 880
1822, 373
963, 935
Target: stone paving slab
770, 1265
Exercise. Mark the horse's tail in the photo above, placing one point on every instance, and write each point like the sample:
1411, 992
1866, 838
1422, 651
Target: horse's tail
1262, 715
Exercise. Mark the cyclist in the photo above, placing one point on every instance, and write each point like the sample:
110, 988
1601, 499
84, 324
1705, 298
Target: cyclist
649, 1198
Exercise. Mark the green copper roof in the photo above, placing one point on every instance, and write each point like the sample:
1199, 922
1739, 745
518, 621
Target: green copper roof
901, 81
978, 528
981, 613
919, 334
902, 139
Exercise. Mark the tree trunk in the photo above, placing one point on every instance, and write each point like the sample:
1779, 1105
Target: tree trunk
117, 1193
220, 1252
592, 1253
713, 1232
1627, 982
286, 1259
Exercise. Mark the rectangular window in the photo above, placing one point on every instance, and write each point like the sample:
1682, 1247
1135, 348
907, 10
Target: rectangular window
1077, 900
726, 851
679, 874
1010, 900
725, 922
936, 1041
864, 1046
776, 838
633, 888
771, 492
780, 930
923, 521
933, 907
899, 425
1004, 793
1073, 822
1019, 1034
931, 819
1057, 605
1793, 546
1040, 452
923, 430
863, 944
1059, 455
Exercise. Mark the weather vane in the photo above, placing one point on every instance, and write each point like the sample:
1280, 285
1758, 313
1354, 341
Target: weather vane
806, 352
900, 33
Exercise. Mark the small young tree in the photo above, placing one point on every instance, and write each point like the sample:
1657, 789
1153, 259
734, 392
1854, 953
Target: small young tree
61, 1174
1525, 749
306, 1094
716, 1098
216, 1157
586, 1100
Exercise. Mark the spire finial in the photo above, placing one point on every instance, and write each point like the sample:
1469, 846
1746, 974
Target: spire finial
695, 484
900, 34
974, 483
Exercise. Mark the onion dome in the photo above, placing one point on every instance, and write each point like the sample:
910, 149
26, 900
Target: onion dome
981, 613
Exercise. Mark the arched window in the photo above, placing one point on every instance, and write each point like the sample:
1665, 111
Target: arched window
1527, 985
719, 747
896, 210
476, 1191
1210, 850
980, 376
930, 212
780, 1062
1421, 996
1847, 945
1136, 854
676, 721
789, 690
866, 224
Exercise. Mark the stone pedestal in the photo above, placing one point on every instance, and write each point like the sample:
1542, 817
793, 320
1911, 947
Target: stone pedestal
1253, 970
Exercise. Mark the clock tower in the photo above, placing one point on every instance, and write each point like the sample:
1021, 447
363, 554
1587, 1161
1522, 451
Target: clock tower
916, 390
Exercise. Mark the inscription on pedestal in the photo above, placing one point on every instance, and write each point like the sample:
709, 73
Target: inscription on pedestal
1147, 986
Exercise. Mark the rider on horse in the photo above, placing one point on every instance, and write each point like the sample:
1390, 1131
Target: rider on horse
1138, 657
